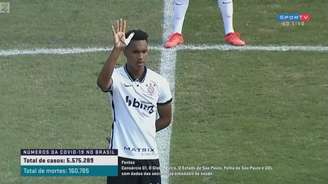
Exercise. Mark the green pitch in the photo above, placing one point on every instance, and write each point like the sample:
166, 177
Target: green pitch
231, 108
252, 109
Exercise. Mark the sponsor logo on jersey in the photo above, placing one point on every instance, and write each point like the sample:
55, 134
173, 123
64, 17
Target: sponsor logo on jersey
139, 105
139, 150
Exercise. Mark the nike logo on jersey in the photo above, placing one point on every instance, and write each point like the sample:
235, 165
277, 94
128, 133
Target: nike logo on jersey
127, 85
137, 104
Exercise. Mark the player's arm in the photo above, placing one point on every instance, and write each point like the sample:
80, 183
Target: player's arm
105, 76
165, 116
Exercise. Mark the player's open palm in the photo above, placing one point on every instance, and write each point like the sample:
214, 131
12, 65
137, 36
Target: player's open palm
119, 28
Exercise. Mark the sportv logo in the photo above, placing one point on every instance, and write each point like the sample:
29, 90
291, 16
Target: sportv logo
293, 18
137, 104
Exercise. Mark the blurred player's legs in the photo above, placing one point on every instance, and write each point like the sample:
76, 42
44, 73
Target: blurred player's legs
226, 9
179, 12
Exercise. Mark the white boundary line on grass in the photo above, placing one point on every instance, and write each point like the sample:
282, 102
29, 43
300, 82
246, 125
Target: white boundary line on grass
167, 70
279, 48
223, 47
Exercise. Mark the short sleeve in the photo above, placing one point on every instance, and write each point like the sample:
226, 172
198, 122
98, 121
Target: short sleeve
115, 80
165, 95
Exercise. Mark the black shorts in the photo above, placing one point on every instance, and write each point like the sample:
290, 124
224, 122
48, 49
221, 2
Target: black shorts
132, 171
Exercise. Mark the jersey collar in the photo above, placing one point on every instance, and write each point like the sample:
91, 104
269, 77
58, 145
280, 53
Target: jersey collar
140, 79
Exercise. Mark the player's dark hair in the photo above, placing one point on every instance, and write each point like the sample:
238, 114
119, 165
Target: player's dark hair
138, 35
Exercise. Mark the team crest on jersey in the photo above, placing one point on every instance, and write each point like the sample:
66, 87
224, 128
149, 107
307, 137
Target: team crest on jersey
151, 87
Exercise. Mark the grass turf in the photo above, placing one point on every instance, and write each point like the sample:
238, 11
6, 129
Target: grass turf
256, 21
252, 109
85, 23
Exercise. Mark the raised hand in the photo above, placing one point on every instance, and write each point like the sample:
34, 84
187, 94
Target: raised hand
119, 28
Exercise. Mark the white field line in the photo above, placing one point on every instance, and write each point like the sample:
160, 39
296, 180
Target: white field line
278, 48
223, 47
167, 70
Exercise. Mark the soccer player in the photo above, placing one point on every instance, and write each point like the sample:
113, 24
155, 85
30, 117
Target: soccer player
141, 105
180, 9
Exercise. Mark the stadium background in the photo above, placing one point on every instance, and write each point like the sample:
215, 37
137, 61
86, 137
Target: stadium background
232, 108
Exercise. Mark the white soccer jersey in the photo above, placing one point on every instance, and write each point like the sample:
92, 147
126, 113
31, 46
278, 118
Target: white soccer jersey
134, 105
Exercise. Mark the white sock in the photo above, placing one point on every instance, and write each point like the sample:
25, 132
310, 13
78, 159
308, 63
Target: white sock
179, 12
226, 9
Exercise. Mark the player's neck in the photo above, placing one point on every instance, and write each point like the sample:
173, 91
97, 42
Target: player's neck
135, 73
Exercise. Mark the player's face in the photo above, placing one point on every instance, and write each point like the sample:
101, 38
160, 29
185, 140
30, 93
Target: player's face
136, 54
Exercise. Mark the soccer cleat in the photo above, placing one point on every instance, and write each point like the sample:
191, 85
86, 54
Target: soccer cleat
233, 38
173, 40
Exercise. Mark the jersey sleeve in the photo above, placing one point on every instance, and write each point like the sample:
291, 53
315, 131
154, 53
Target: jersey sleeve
115, 80
165, 95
